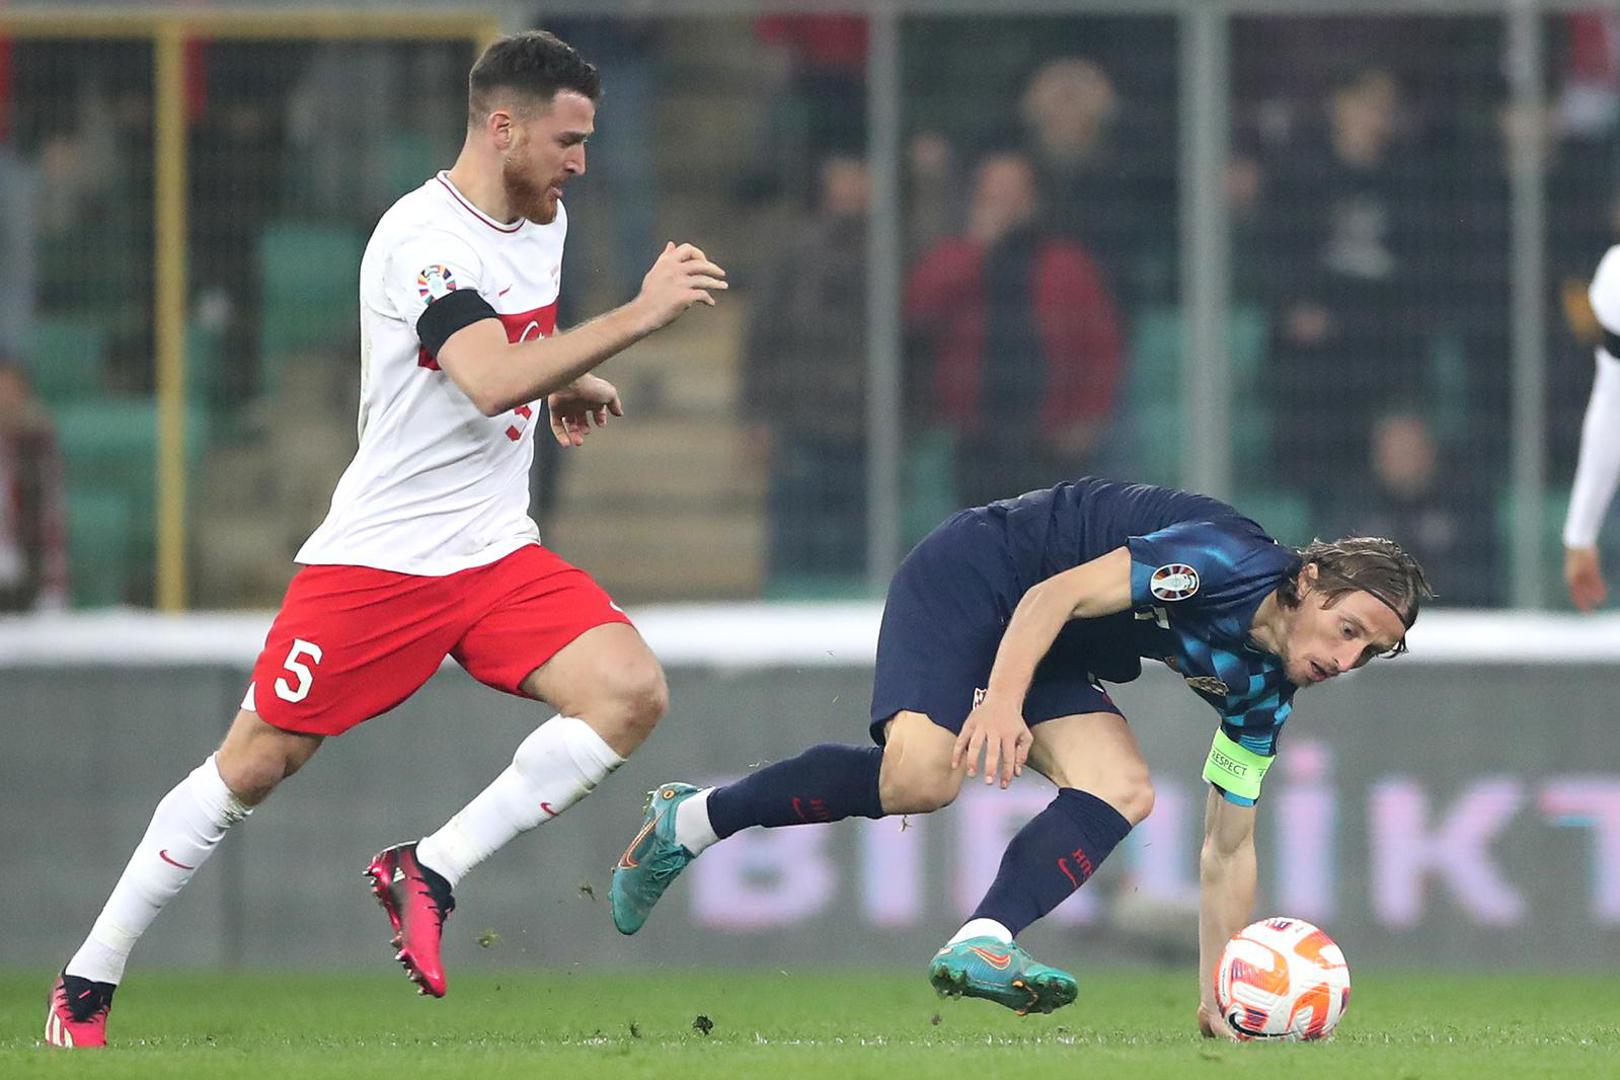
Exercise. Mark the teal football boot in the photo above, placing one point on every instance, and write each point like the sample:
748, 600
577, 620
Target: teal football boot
1000, 971
652, 860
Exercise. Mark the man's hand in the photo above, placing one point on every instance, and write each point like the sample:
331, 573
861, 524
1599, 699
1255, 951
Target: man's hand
1211, 1025
681, 277
574, 407
1583, 573
998, 730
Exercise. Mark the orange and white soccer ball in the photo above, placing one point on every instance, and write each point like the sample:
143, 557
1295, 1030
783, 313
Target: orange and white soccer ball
1282, 979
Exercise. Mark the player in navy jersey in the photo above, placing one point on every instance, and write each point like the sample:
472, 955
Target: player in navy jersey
998, 631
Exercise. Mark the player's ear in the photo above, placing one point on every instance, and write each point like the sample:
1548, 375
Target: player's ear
502, 127
1308, 576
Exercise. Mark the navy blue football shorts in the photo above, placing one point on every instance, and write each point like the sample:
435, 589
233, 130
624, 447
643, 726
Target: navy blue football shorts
947, 607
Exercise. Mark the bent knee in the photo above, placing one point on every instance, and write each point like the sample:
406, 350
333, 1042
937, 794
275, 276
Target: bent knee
917, 791
1133, 798
631, 700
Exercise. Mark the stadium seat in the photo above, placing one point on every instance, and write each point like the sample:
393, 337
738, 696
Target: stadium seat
1554, 507
927, 482
410, 160
1155, 383
1285, 515
311, 289
111, 445
66, 358
98, 547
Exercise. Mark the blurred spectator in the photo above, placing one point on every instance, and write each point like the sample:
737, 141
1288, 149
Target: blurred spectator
238, 142
1018, 336
1101, 188
33, 505
819, 104
626, 51
1431, 509
804, 383
1349, 324
17, 226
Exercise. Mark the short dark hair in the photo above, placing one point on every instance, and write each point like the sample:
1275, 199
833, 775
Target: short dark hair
536, 64
1368, 564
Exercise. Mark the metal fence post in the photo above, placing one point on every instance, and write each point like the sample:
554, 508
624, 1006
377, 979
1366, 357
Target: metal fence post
884, 407
1526, 67
1205, 357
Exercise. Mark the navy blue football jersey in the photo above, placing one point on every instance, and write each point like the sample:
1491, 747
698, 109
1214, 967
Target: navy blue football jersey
1199, 571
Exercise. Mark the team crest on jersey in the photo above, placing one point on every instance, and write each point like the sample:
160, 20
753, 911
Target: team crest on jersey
1173, 581
435, 281
1209, 684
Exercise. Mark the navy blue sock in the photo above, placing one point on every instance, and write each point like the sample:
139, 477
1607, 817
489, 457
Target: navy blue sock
829, 782
1051, 857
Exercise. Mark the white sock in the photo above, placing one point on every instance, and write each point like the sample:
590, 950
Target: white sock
981, 928
187, 825
692, 829
554, 768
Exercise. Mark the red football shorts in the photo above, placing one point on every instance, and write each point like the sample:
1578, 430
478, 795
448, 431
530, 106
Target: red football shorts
352, 642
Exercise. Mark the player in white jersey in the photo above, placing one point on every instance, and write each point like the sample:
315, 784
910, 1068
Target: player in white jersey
1598, 469
428, 549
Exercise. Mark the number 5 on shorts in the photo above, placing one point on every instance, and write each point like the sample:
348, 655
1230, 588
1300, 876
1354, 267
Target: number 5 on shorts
295, 664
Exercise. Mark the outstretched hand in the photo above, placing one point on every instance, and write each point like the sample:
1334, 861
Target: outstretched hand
681, 276
1583, 573
574, 407
998, 731
1212, 1026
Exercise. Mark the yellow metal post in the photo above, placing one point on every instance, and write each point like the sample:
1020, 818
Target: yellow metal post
169, 321
169, 31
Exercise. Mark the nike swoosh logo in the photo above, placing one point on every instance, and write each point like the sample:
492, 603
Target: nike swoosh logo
503, 292
627, 861
999, 962
164, 855
547, 808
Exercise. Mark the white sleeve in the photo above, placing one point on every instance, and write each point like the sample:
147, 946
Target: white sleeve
425, 267
1605, 291
1598, 469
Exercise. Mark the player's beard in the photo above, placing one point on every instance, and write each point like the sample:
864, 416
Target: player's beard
524, 194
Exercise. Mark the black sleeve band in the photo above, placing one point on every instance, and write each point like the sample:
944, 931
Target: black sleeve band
1611, 344
449, 313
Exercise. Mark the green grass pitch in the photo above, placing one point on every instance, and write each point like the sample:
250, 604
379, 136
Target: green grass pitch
832, 1026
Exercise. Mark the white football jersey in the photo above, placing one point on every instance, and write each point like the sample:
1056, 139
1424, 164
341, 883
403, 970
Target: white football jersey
436, 486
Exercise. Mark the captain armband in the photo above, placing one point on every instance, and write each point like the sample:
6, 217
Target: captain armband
1235, 768
453, 311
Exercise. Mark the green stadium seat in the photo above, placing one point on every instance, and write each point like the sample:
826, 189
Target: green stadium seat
1555, 505
66, 358
311, 291
111, 445
927, 483
99, 548
205, 350
1285, 515
410, 159
1155, 383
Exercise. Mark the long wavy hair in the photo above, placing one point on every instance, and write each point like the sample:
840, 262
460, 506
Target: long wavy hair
1368, 564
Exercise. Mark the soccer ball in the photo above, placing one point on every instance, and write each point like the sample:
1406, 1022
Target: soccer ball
1282, 979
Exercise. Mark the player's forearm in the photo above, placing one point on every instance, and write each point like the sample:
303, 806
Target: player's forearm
533, 369
1040, 614
1091, 590
1598, 470
1227, 871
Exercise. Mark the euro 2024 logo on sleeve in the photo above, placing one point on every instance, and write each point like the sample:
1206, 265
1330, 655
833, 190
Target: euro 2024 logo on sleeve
435, 281
1173, 581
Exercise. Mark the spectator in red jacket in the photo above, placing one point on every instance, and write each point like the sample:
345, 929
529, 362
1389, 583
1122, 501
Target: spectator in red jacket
33, 508
1018, 337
